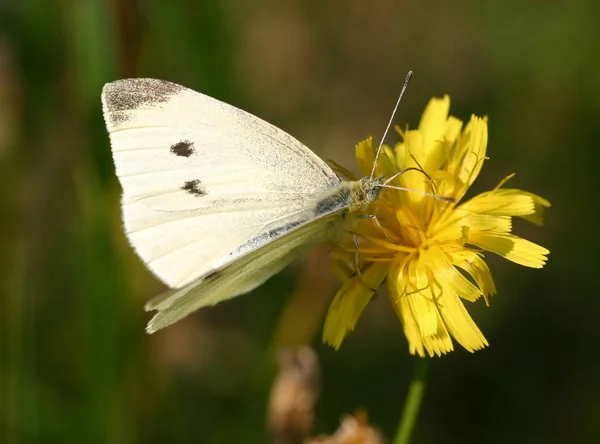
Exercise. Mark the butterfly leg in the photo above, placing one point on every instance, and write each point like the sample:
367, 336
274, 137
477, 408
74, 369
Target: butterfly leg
356, 257
356, 263
376, 219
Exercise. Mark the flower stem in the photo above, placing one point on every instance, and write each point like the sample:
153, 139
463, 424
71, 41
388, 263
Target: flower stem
413, 402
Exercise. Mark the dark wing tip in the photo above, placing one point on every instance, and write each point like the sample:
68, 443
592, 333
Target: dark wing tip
123, 96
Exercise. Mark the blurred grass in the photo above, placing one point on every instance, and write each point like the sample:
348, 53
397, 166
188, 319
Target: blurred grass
75, 363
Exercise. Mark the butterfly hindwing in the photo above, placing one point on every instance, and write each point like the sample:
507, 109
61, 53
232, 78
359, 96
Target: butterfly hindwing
241, 276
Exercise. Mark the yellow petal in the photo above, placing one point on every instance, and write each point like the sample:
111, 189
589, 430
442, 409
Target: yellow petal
400, 303
427, 310
350, 301
452, 130
470, 154
415, 310
386, 164
507, 202
477, 129
433, 124
440, 343
458, 321
365, 156
439, 152
437, 344
409, 154
439, 165
485, 223
420, 297
511, 247
450, 285
444, 272
537, 217
473, 264
396, 282
410, 327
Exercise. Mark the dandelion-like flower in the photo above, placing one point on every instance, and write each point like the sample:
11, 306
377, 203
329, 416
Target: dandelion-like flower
431, 249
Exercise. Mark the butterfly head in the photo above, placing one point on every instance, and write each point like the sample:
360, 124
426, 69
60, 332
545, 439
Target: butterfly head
364, 192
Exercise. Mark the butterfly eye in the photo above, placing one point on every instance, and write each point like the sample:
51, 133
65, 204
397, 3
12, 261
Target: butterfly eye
373, 194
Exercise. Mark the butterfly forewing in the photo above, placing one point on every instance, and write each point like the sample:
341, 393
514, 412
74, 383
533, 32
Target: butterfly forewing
201, 178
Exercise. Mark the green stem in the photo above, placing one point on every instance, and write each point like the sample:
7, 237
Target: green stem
413, 402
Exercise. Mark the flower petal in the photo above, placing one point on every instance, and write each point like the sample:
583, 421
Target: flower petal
458, 321
537, 217
409, 154
420, 298
452, 130
473, 264
470, 154
485, 223
410, 326
433, 125
386, 164
511, 247
436, 344
508, 202
419, 316
444, 271
450, 286
350, 301
365, 156
440, 167
440, 343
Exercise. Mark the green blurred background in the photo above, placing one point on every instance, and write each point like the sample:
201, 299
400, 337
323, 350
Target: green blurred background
75, 363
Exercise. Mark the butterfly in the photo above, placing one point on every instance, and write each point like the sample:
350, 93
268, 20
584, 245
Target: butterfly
215, 200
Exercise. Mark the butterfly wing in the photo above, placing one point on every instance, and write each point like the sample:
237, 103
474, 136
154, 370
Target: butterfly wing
240, 276
203, 182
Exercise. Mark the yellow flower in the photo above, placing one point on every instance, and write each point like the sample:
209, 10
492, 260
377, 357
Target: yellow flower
431, 249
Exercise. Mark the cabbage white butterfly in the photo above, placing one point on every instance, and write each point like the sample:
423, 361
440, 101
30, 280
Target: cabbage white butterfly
215, 200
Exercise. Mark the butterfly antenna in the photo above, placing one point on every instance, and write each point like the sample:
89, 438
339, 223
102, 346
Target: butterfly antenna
406, 82
423, 193
400, 173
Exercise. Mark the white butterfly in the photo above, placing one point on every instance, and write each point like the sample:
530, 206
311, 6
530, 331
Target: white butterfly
216, 200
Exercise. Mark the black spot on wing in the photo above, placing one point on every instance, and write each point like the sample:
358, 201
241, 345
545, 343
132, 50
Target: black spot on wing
193, 187
131, 94
185, 148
